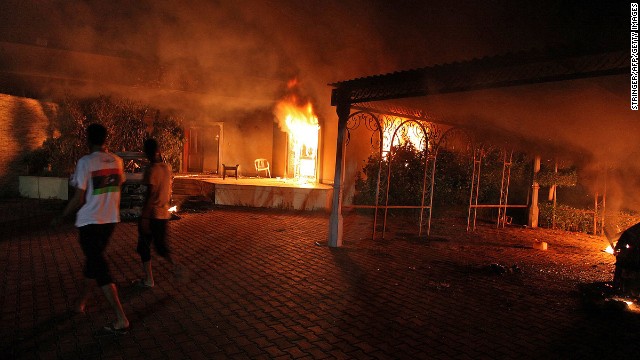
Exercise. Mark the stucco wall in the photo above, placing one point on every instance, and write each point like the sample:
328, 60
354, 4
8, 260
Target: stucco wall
246, 138
24, 125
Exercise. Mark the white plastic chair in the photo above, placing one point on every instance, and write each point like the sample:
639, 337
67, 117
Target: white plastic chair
262, 165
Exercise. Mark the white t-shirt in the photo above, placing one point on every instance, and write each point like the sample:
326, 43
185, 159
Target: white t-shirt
158, 175
101, 175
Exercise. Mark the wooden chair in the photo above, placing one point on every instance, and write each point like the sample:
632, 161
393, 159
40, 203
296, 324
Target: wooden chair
262, 165
226, 168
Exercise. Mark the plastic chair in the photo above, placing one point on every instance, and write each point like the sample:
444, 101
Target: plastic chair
262, 165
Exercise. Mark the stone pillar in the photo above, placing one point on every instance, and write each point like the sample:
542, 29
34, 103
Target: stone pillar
534, 211
343, 108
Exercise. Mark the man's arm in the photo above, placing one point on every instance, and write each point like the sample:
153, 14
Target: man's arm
72, 206
147, 211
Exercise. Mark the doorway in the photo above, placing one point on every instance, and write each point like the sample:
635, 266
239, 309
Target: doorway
204, 149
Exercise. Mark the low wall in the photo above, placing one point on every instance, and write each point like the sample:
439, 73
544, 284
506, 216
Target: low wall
287, 198
37, 187
253, 192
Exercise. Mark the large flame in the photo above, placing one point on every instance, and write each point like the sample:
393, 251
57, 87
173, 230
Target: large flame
301, 124
408, 133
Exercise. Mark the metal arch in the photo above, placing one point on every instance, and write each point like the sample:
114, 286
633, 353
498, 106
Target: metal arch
359, 115
424, 137
442, 141
507, 156
478, 154
504, 187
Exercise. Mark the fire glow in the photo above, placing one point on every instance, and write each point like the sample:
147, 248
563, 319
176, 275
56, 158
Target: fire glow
301, 124
404, 134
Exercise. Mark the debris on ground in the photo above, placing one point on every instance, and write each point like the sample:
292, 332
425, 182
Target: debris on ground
197, 204
498, 269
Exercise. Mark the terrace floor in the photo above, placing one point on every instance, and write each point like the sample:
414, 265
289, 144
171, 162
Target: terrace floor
260, 285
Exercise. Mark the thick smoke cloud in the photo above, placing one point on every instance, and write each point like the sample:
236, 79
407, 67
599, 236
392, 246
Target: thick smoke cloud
240, 54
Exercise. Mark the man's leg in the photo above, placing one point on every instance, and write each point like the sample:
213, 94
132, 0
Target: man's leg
100, 269
159, 230
92, 243
148, 274
81, 303
111, 293
144, 250
159, 233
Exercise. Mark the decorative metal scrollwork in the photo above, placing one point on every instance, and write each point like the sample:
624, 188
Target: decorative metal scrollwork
370, 122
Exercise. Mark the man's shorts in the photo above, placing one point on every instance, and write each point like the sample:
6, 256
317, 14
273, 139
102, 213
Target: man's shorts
93, 240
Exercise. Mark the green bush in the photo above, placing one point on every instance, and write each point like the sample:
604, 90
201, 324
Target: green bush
581, 220
125, 123
452, 178
167, 129
564, 177
407, 173
567, 218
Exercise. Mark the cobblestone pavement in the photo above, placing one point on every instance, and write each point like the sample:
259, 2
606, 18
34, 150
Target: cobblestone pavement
259, 287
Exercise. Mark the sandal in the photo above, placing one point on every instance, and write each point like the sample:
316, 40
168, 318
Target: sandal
141, 284
112, 330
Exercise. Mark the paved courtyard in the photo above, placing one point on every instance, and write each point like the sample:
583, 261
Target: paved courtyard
260, 287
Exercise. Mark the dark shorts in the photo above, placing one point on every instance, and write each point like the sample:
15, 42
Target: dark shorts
93, 240
158, 238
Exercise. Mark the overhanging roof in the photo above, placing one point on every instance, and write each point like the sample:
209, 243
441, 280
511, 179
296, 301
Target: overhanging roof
521, 68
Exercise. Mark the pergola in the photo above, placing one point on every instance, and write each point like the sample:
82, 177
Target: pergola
514, 69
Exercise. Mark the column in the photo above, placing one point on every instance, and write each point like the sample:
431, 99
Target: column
534, 211
343, 108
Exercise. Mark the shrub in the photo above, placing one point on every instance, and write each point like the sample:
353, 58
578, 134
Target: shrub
452, 178
581, 220
567, 218
125, 123
407, 172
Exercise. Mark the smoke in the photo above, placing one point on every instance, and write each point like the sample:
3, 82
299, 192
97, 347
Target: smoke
237, 56
249, 49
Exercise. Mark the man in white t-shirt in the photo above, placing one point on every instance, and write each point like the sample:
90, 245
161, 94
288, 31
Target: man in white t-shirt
97, 181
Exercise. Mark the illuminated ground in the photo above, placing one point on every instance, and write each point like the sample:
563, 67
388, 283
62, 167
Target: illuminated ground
260, 287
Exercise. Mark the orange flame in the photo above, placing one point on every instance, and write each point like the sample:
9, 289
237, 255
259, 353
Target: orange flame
301, 123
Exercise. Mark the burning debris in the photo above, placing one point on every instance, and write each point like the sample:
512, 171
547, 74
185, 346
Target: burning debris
604, 297
626, 277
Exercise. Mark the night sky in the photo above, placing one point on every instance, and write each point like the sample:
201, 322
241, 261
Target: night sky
340, 39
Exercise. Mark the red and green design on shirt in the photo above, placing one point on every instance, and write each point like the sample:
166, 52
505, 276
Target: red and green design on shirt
106, 181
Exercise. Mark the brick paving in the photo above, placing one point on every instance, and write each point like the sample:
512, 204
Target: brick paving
259, 287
